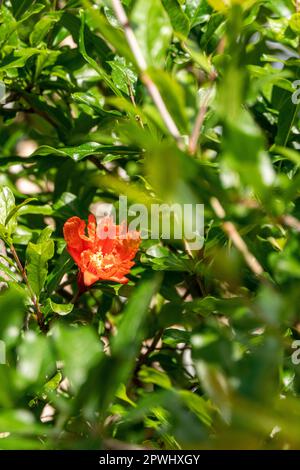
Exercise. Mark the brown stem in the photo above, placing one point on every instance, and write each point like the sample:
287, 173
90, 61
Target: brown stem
40, 317
75, 297
132, 99
236, 239
131, 95
198, 125
95, 160
151, 348
290, 221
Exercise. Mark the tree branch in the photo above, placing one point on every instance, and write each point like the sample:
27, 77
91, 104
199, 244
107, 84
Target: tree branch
290, 221
198, 124
40, 317
236, 238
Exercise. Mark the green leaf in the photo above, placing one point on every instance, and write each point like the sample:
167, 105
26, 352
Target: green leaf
9, 272
35, 209
53, 383
152, 29
18, 58
82, 151
36, 360
179, 20
13, 442
16, 209
45, 235
60, 309
92, 101
173, 336
244, 155
43, 26
197, 405
19, 7
134, 316
32, 9
12, 311
124, 78
150, 375
83, 352
7, 205
197, 12
19, 421
171, 262
286, 120
8, 28
295, 22
37, 257
62, 266
288, 153
112, 35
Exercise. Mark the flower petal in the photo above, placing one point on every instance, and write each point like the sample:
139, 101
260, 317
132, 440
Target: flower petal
89, 278
120, 280
72, 230
92, 227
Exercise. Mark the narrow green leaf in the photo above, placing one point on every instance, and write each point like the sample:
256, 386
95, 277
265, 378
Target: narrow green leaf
9, 272
7, 204
130, 331
43, 26
63, 265
78, 153
287, 117
16, 209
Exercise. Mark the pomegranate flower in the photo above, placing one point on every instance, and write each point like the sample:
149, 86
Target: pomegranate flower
106, 252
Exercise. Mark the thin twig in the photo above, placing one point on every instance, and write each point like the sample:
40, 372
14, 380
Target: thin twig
40, 317
131, 94
75, 297
132, 99
66, 295
151, 348
95, 160
236, 238
198, 124
142, 66
290, 221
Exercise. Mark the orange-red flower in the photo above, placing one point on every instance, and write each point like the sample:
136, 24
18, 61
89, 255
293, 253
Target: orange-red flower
106, 252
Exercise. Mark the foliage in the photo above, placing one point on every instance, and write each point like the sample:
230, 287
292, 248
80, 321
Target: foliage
196, 350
